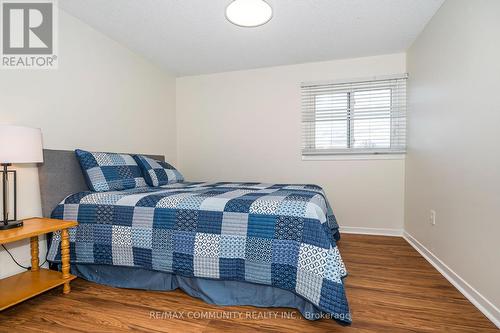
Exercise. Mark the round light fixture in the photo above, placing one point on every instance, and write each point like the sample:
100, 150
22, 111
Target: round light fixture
249, 13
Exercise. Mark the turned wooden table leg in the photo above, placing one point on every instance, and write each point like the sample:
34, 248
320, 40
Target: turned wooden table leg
34, 253
65, 259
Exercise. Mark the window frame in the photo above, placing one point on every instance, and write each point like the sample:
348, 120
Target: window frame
309, 148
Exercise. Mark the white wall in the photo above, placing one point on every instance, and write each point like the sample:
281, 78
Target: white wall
102, 97
246, 126
453, 162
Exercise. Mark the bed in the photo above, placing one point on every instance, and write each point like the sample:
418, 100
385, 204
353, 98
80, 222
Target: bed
267, 245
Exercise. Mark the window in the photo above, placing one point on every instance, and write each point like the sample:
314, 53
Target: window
366, 117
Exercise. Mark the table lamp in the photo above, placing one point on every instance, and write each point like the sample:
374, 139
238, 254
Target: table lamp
18, 144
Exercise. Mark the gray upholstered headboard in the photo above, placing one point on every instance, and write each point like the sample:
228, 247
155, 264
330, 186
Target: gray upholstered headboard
60, 175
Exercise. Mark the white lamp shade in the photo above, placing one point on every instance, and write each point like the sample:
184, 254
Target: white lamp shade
20, 144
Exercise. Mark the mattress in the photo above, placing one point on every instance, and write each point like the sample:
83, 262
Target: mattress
279, 235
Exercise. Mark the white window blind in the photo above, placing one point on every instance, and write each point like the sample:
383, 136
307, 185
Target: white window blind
363, 117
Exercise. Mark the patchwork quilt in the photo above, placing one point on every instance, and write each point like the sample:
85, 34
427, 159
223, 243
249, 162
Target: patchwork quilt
279, 235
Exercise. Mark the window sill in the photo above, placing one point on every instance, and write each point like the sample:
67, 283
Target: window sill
348, 157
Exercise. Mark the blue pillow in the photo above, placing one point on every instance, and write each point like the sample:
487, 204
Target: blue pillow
158, 173
110, 171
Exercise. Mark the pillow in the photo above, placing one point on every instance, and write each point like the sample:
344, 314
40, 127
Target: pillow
158, 173
110, 171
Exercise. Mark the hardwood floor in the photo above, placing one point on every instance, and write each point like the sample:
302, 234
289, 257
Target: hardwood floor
390, 288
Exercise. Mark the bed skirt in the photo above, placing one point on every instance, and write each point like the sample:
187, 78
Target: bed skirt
211, 291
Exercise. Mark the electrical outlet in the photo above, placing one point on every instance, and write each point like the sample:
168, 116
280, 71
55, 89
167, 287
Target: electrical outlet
432, 217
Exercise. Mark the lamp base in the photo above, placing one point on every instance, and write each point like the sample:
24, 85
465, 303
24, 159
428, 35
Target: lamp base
10, 225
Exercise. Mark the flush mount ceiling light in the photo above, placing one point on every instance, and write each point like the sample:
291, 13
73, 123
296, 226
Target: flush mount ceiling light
249, 13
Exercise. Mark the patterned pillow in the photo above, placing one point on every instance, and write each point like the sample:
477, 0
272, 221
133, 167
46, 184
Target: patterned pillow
158, 173
110, 171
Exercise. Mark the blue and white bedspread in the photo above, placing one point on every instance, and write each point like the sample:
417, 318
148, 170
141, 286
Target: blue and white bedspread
279, 235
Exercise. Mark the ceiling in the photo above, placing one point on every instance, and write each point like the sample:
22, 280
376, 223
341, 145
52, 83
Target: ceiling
189, 37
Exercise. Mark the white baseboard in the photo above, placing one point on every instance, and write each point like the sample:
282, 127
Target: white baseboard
372, 231
479, 301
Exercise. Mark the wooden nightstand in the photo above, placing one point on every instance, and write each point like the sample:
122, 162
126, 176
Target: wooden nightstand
22, 286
